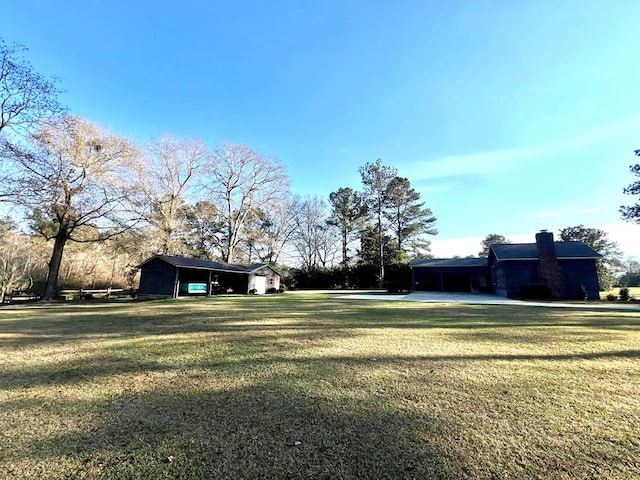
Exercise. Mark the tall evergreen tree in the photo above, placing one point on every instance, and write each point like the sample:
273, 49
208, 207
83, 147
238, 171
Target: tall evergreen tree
348, 212
405, 213
376, 178
368, 253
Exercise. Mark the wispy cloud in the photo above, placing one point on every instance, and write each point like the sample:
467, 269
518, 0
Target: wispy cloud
544, 214
584, 211
508, 159
483, 163
589, 211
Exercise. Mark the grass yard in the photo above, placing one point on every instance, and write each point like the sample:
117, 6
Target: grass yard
308, 386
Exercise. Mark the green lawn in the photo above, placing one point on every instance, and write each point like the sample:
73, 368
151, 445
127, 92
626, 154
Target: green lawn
307, 386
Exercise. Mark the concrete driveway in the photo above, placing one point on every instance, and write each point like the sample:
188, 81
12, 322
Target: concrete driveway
485, 299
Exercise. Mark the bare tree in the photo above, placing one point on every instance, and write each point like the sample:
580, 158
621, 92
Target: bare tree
166, 175
277, 225
13, 257
71, 178
314, 239
25, 95
328, 246
252, 236
240, 181
203, 229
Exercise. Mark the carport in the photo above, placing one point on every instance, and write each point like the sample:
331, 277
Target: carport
451, 275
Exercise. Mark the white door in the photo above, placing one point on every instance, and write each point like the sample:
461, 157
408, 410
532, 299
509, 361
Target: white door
260, 285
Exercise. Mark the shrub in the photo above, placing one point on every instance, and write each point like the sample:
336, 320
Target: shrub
364, 276
611, 297
624, 294
400, 275
311, 278
272, 290
253, 291
393, 286
535, 291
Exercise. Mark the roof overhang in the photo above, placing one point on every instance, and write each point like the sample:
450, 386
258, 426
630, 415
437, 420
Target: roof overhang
214, 267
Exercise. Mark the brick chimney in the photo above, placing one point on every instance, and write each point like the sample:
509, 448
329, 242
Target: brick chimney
549, 272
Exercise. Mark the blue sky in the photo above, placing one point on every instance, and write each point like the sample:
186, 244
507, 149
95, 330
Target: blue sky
508, 117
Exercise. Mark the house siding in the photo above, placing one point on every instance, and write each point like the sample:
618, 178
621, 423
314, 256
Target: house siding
581, 272
510, 277
567, 268
157, 279
272, 279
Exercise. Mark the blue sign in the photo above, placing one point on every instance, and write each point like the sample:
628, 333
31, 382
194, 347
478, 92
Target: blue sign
196, 288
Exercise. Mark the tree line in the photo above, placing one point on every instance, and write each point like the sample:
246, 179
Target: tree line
78, 183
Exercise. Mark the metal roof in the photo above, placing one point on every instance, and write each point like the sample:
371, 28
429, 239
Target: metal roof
529, 251
449, 262
511, 251
199, 264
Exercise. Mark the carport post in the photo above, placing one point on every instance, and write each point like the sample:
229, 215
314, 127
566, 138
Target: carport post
209, 285
176, 283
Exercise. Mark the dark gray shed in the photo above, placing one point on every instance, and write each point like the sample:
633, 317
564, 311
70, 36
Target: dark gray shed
174, 276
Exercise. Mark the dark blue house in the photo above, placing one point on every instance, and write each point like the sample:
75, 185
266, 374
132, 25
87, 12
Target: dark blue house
172, 276
568, 269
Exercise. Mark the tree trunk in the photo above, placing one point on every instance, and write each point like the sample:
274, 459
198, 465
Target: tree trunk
345, 241
51, 288
230, 250
380, 249
228, 255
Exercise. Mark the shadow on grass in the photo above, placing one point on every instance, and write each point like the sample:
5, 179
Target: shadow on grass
19, 328
261, 431
241, 356
285, 426
224, 395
